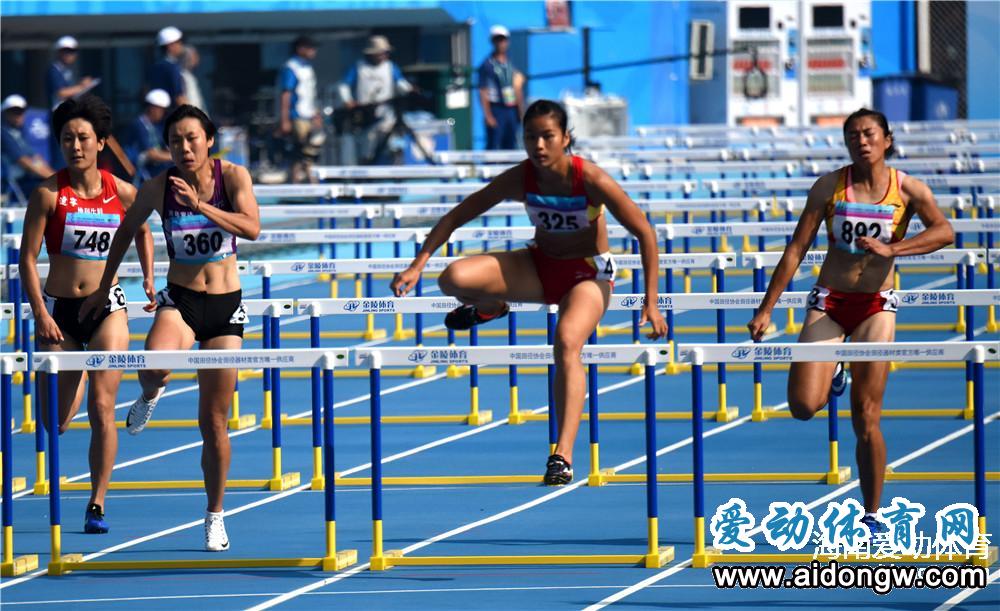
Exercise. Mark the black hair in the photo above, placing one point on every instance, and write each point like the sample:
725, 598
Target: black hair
88, 107
304, 41
879, 118
186, 111
541, 108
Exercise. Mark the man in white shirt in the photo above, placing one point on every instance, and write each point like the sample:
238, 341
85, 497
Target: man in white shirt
374, 82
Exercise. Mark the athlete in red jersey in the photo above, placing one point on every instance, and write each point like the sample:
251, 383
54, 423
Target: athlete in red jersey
76, 212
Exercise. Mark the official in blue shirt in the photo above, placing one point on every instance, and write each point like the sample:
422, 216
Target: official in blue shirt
60, 82
21, 168
501, 93
165, 74
144, 146
299, 119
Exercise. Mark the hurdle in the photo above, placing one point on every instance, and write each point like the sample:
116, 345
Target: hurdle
699, 354
10, 565
374, 359
52, 363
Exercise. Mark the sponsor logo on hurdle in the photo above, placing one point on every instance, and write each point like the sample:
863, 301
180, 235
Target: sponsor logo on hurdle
372, 306
443, 305
763, 353
741, 353
439, 357
298, 267
417, 356
910, 298
95, 361
126, 360
631, 301
352, 306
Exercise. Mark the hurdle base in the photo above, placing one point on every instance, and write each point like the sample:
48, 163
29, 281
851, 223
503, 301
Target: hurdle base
40, 488
152, 424
519, 417
28, 427
637, 369
374, 334
760, 415
243, 422
767, 413
423, 371
663, 556
285, 482
401, 335
672, 369
705, 559
457, 371
992, 554
396, 557
936, 476
440, 480
19, 566
429, 419
18, 484
65, 564
608, 476
727, 414
341, 560
481, 417
600, 478
840, 476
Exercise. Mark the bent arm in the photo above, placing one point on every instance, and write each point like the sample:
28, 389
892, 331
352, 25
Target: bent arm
135, 218
244, 220
938, 232
144, 237
805, 232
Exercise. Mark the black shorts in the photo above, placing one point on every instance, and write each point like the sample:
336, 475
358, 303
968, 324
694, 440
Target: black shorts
208, 315
66, 312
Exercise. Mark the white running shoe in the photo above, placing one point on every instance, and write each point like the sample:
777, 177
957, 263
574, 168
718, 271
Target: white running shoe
216, 539
140, 412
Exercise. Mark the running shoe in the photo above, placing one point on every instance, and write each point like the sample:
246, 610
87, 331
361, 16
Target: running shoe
558, 472
839, 383
216, 539
467, 316
93, 520
140, 413
874, 526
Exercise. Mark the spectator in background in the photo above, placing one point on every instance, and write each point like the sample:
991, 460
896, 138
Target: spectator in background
22, 168
61, 82
374, 83
165, 74
501, 93
189, 62
299, 119
145, 146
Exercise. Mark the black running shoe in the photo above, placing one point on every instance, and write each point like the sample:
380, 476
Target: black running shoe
465, 317
557, 471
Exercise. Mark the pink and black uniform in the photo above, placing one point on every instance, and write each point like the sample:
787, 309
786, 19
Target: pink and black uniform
81, 228
846, 221
194, 239
564, 214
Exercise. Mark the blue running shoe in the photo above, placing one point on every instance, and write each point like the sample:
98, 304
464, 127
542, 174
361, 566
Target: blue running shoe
94, 523
874, 526
839, 383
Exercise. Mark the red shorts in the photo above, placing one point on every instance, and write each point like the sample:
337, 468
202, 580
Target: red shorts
851, 309
558, 276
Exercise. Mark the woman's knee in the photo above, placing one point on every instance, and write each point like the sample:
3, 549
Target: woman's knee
803, 405
157, 377
453, 279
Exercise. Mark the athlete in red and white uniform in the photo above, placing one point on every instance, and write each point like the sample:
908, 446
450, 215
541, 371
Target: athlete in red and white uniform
867, 207
567, 263
76, 212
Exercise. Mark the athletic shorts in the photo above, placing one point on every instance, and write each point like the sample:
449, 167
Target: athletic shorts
209, 316
558, 276
851, 309
66, 312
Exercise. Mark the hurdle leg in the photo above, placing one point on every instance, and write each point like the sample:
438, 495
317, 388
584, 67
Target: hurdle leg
477, 417
656, 556
58, 560
991, 316
701, 554
420, 371
837, 474
757, 414
970, 335
28, 422
724, 413
596, 475
380, 559
668, 287
515, 415
550, 372
279, 481
41, 486
266, 421
10, 566
333, 560
318, 388
979, 448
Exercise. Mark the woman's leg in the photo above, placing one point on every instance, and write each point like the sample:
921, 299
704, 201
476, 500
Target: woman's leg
809, 383
580, 311
112, 334
169, 332
216, 388
71, 386
488, 281
867, 390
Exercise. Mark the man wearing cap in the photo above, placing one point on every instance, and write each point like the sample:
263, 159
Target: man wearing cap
60, 81
145, 146
299, 120
165, 74
374, 82
501, 93
21, 167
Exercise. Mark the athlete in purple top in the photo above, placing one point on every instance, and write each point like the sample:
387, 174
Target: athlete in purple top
205, 204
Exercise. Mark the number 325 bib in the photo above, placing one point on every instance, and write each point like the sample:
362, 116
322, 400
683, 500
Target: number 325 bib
852, 221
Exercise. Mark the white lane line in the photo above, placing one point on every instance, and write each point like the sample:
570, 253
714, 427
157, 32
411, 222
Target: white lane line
617, 596
950, 604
